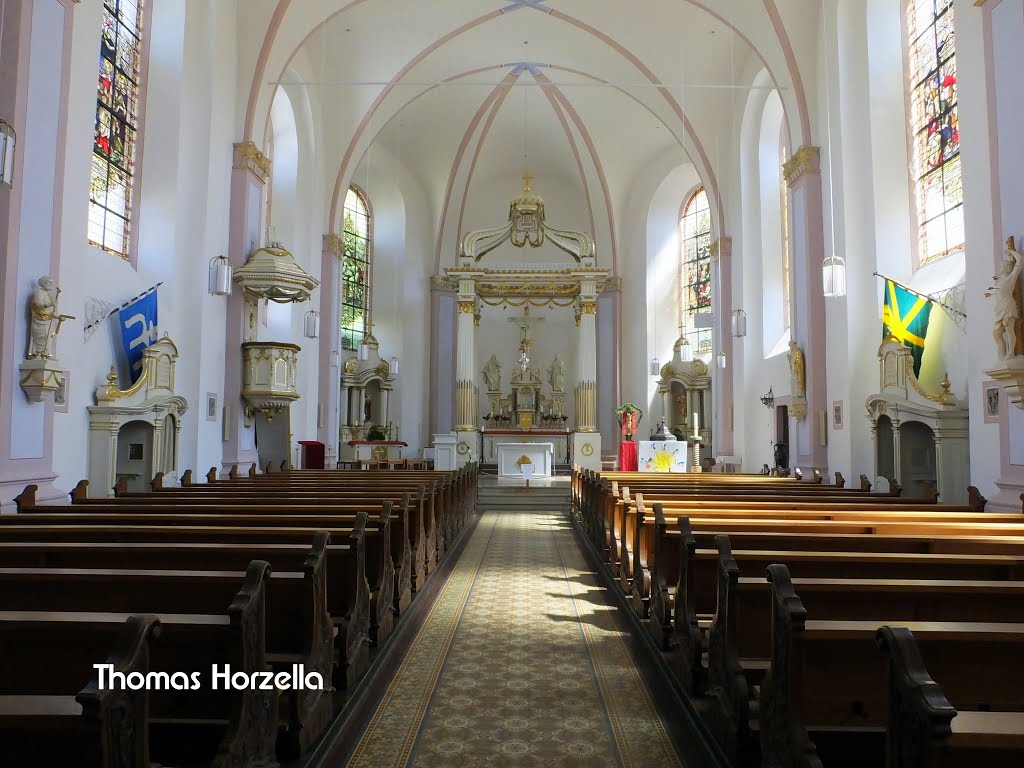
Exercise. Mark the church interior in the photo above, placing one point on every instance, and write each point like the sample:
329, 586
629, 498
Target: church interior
523, 383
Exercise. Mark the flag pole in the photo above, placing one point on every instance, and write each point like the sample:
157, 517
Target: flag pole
923, 296
125, 304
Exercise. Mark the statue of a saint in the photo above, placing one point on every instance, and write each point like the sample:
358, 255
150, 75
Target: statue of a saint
1006, 311
46, 321
556, 375
797, 373
492, 374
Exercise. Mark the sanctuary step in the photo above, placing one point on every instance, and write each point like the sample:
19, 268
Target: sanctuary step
496, 494
563, 470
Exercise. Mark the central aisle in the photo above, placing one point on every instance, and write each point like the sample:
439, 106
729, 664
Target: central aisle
519, 663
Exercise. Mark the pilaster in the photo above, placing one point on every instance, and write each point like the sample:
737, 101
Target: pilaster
803, 176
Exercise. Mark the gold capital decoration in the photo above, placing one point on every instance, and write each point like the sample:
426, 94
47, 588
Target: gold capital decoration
721, 248
248, 155
334, 245
588, 307
467, 307
805, 160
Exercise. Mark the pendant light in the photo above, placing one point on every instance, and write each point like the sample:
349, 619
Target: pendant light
833, 268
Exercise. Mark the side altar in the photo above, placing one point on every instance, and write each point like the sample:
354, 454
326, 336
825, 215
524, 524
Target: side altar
532, 411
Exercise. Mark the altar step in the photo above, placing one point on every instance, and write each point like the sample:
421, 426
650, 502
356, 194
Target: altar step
559, 469
508, 497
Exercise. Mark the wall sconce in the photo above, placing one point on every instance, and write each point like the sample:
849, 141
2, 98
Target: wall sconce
768, 399
393, 366
833, 276
334, 358
655, 366
739, 323
220, 276
721, 360
311, 324
8, 138
685, 351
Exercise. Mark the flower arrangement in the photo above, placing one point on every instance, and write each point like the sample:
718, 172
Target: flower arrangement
629, 416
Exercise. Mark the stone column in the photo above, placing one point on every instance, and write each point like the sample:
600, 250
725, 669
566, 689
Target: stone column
466, 406
331, 394
249, 173
31, 211
803, 176
587, 439
722, 382
343, 407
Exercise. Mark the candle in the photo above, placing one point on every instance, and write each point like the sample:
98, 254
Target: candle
696, 422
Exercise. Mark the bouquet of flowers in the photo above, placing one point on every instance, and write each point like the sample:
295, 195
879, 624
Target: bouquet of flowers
629, 418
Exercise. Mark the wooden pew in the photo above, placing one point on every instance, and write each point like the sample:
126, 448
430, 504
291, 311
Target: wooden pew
347, 595
825, 676
924, 730
300, 631
52, 711
386, 591
408, 541
236, 727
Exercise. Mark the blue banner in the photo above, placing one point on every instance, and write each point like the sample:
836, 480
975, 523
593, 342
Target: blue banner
138, 330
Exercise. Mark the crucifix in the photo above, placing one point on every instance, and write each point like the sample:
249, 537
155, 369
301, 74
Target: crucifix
527, 178
524, 321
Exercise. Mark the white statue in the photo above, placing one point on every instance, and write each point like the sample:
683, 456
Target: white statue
492, 374
556, 374
46, 321
1006, 311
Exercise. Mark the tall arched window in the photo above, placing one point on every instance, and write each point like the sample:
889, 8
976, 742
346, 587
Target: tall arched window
355, 270
695, 259
117, 124
933, 128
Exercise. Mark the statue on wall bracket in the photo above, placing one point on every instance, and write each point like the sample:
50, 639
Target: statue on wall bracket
1006, 326
41, 373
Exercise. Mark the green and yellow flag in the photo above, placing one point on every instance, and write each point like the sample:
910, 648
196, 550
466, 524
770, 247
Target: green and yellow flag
905, 317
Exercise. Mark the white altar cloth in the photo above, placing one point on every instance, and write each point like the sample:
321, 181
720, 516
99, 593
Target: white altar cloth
541, 454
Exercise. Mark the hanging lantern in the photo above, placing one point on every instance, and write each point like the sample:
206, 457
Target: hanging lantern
833, 274
721, 360
394, 366
311, 324
220, 276
739, 323
655, 366
685, 352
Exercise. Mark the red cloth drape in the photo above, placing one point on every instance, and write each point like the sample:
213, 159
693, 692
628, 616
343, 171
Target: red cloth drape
628, 456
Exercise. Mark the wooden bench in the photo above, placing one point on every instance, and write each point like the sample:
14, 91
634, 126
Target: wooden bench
387, 590
300, 631
221, 727
52, 711
925, 730
826, 676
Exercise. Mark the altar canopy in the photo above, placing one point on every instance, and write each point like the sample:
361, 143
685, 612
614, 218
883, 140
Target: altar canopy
533, 401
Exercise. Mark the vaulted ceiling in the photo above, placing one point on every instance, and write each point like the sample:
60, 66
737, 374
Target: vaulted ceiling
586, 93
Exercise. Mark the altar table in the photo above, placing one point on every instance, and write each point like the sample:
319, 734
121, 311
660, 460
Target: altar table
541, 454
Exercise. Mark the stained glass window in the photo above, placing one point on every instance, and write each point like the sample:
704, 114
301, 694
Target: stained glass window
355, 271
114, 135
935, 135
695, 282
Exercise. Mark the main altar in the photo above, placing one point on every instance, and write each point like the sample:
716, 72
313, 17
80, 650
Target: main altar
535, 408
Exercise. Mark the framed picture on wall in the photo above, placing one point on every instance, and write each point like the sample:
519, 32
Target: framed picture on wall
211, 406
837, 414
135, 452
991, 397
60, 397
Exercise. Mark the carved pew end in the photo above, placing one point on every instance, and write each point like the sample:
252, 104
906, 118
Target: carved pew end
79, 493
975, 500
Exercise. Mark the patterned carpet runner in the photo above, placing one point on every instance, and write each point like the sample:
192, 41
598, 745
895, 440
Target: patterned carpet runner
519, 663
